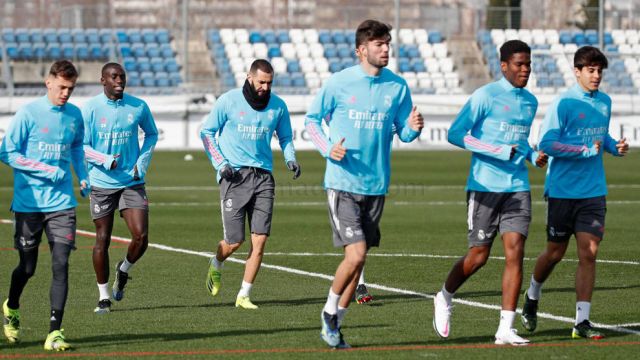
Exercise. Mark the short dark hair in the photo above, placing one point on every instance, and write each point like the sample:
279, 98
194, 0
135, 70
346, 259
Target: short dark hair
111, 65
64, 69
589, 56
513, 47
262, 65
372, 29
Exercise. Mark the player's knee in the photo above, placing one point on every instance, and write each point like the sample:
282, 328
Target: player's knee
27, 270
141, 237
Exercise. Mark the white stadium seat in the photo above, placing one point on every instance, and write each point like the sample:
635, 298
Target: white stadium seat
421, 36
311, 36
241, 36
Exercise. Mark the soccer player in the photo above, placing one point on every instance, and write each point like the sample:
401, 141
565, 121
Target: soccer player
237, 137
117, 167
43, 141
575, 132
494, 125
362, 105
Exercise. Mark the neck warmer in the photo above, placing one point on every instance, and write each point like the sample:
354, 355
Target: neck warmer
251, 95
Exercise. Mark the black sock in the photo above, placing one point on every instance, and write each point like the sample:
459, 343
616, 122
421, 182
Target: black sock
55, 320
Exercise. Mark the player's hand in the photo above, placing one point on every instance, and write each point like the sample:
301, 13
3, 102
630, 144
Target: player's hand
295, 167
514, 150
416, 121
114, 164
623, 147
136, 175
598, 146
542, 159
338, 151
85, 188
227, 172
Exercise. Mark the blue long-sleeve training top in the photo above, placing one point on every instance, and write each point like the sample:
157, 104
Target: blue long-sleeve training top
496, 117
365, 111
236, 134
571, 127
41, 144
111, 131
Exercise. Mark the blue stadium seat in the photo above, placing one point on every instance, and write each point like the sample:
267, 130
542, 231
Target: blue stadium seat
611, 48
166, 51
8, 36
293, 66
125, 49
157, 64
54, 51
608, 38
274, 51
338, 37
347, 62
565, 37
350, 35
82, 51
78, 36
162, 79
435, 37
144, 65
36, 35
96, 52
297, 80
417, 64
284, 80
121, 35
106, 35
134, 36
330, 51
324, 37
133, 79
214, 36
153, 50
175, 79
50, 35
64, 36
162, 36
255, 36
138, 50
147, 79
39, 50
149, 36
344, 52
404, 65
579, 38
68, 51
22, 35
283, 36
93, 37
171, 65
129, 64
269, 37
334, 64
25, 52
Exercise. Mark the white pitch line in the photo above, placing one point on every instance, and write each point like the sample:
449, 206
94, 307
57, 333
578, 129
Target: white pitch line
388, 202
430, 256
616, 328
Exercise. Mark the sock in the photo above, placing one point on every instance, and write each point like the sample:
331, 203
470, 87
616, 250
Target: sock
217, 264
341, 313
126, 265
245, 289
583, 308
448, 297
506, 320
361, 280
104, 291
55, 322
331, 307
535, 289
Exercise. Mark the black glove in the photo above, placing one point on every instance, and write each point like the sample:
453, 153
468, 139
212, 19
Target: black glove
227, 172
293, 166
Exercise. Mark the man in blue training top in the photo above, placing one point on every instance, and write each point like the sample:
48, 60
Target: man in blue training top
237, 139
575, 131
117, 167
43, 141
494, 125
362, 105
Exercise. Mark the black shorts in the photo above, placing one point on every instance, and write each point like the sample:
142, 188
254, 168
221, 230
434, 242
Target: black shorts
566, 217
60, 227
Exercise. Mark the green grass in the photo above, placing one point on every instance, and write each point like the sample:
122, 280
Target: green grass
167, 312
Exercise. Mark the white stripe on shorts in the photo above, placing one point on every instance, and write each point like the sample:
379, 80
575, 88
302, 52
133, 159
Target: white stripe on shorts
470, 210
224, 230
332, 208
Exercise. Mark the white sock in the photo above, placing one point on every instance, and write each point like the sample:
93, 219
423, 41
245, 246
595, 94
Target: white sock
583, 308
331, 307
104, 291
245, 289
341, 313
361, 280
506, 320
126, 265
535, 289
447, 295
217, 264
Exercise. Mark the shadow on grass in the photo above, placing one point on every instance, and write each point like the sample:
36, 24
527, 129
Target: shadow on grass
546, 290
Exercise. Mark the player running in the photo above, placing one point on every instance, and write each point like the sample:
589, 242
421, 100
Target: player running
43, 141
117, 167
494, 125
575, 132
237, 139
361, 105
